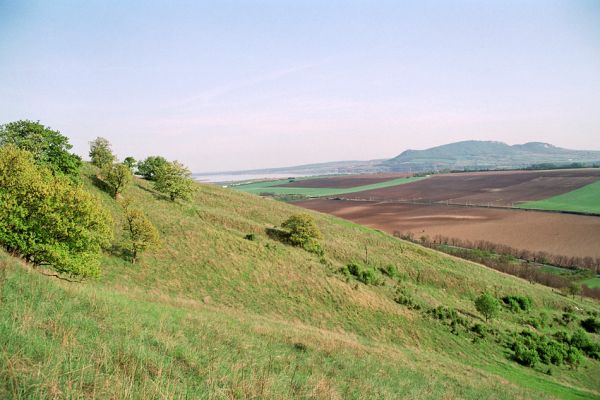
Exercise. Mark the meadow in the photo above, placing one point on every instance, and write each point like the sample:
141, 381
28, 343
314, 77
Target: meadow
211, 314
585, 199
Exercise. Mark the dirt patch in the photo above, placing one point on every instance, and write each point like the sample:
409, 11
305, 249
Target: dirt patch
564, 234
486, 188
344, 182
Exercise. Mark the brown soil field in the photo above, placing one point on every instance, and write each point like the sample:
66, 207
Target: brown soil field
344, 182
554, 233
486, 188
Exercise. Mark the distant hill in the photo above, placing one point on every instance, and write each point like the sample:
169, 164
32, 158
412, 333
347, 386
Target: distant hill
468, 155
474, 154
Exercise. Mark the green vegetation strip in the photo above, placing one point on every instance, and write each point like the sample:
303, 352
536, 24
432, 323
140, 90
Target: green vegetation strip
271, 187
585, 199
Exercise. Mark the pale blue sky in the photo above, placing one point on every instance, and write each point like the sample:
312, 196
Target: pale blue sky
227, 85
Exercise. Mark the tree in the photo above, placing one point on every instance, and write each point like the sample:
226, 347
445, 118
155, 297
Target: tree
487, 305
130, 162
573, 289
48, 147
150, 166
118, 176
174, 179
101, 153
302, 230
48, 219
142, 233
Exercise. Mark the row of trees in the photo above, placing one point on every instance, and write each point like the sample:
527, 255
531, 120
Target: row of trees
172, 178
542, 257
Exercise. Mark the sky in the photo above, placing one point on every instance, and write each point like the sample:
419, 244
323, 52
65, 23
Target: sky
230, 85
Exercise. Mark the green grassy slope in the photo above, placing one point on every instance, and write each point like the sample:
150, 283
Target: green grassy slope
585, 199
270, 187
210, 315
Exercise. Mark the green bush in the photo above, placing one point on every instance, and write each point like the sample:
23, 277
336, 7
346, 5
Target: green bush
530, 348
365, 274
479, 329
405, 299
48, 219
591, 325
517, 303
302, 231
390, 270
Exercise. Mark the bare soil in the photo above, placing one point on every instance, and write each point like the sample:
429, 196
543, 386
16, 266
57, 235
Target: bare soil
564, 234
486, 188
344, 182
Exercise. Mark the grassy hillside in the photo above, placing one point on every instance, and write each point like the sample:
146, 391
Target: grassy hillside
211, 315
585, 199
271, 187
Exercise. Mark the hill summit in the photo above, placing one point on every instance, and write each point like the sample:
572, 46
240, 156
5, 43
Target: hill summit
476, 154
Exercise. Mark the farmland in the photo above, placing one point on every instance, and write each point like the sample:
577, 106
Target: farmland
315, 187
585, 199
504, 188
571, 235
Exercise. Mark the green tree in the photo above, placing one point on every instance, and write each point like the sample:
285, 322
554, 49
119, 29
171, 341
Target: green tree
48, 147
118, 176
141, 232
48, 219
302, 231
175, 180
487, 305
101, 153
150, 166
130, 162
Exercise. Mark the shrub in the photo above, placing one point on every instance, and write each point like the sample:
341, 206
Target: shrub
479, 329
487, 305
364, 274
405, 299
390, 270
302, 231
524, 355
591, 325
517, 303
48, 219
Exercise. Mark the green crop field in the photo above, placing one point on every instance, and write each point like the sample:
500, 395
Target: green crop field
585, 199
270, 187
208, 314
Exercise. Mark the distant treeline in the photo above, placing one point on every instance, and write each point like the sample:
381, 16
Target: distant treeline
502, 258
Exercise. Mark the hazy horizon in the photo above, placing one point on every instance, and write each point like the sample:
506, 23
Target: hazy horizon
251, 85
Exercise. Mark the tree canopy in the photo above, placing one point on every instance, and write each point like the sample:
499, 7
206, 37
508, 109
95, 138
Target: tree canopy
101, 153
487, 305
118, 176
149, 167
175, 180
48, 147
303, 231
48, 219
140, 231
